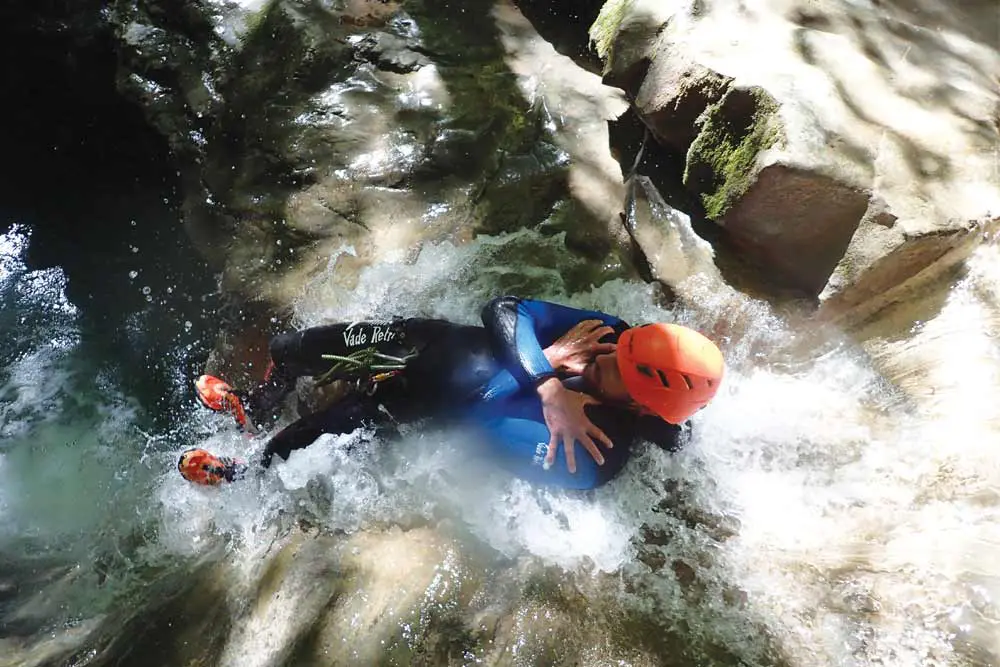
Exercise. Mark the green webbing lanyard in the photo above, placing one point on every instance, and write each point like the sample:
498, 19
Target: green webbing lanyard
377, 365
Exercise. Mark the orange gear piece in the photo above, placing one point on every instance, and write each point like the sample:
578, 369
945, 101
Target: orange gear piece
216, 394
200, 466
670, 369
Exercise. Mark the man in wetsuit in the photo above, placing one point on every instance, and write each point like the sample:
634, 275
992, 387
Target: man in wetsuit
537, 374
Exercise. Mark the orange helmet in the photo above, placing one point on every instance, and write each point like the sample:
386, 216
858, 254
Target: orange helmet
671, 370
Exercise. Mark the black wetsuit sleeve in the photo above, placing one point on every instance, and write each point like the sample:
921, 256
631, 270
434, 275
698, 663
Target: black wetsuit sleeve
344, 416
520, 330
663, 434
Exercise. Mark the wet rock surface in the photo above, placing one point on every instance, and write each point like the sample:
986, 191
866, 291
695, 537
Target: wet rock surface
307, 127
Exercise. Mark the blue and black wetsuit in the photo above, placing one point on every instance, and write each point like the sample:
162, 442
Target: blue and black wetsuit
484, 377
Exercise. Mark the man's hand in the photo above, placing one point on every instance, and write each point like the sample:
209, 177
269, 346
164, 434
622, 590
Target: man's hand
576, 348
568, 423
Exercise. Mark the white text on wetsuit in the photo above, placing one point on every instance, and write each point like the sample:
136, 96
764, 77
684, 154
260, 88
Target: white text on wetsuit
361, 335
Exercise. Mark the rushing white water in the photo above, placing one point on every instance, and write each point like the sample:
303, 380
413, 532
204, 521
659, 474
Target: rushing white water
817, 516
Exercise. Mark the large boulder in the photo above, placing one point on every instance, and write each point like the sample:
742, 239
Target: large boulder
848, 148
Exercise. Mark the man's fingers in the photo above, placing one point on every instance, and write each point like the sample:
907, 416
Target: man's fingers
597, 334
600, 435
604, 348
589, 426
550, 455
570, 446
592, 448
585, 328
601, 332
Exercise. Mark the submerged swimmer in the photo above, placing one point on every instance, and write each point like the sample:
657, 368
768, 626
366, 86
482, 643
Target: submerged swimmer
537, 375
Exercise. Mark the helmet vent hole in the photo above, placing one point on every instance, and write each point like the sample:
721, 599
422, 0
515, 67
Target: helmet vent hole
645, 370
687, 381
663, 378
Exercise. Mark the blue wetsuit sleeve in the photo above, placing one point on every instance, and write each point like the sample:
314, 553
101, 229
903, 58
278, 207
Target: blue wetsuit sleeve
520, 329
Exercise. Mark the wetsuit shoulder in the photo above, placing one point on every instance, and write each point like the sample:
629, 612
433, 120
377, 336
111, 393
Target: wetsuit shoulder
520, 329
663, 434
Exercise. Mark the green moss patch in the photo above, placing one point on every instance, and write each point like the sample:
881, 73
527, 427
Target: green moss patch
722, 161
605, 27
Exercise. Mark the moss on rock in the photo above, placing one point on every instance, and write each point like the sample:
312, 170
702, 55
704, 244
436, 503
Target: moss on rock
605, 28
722, 161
